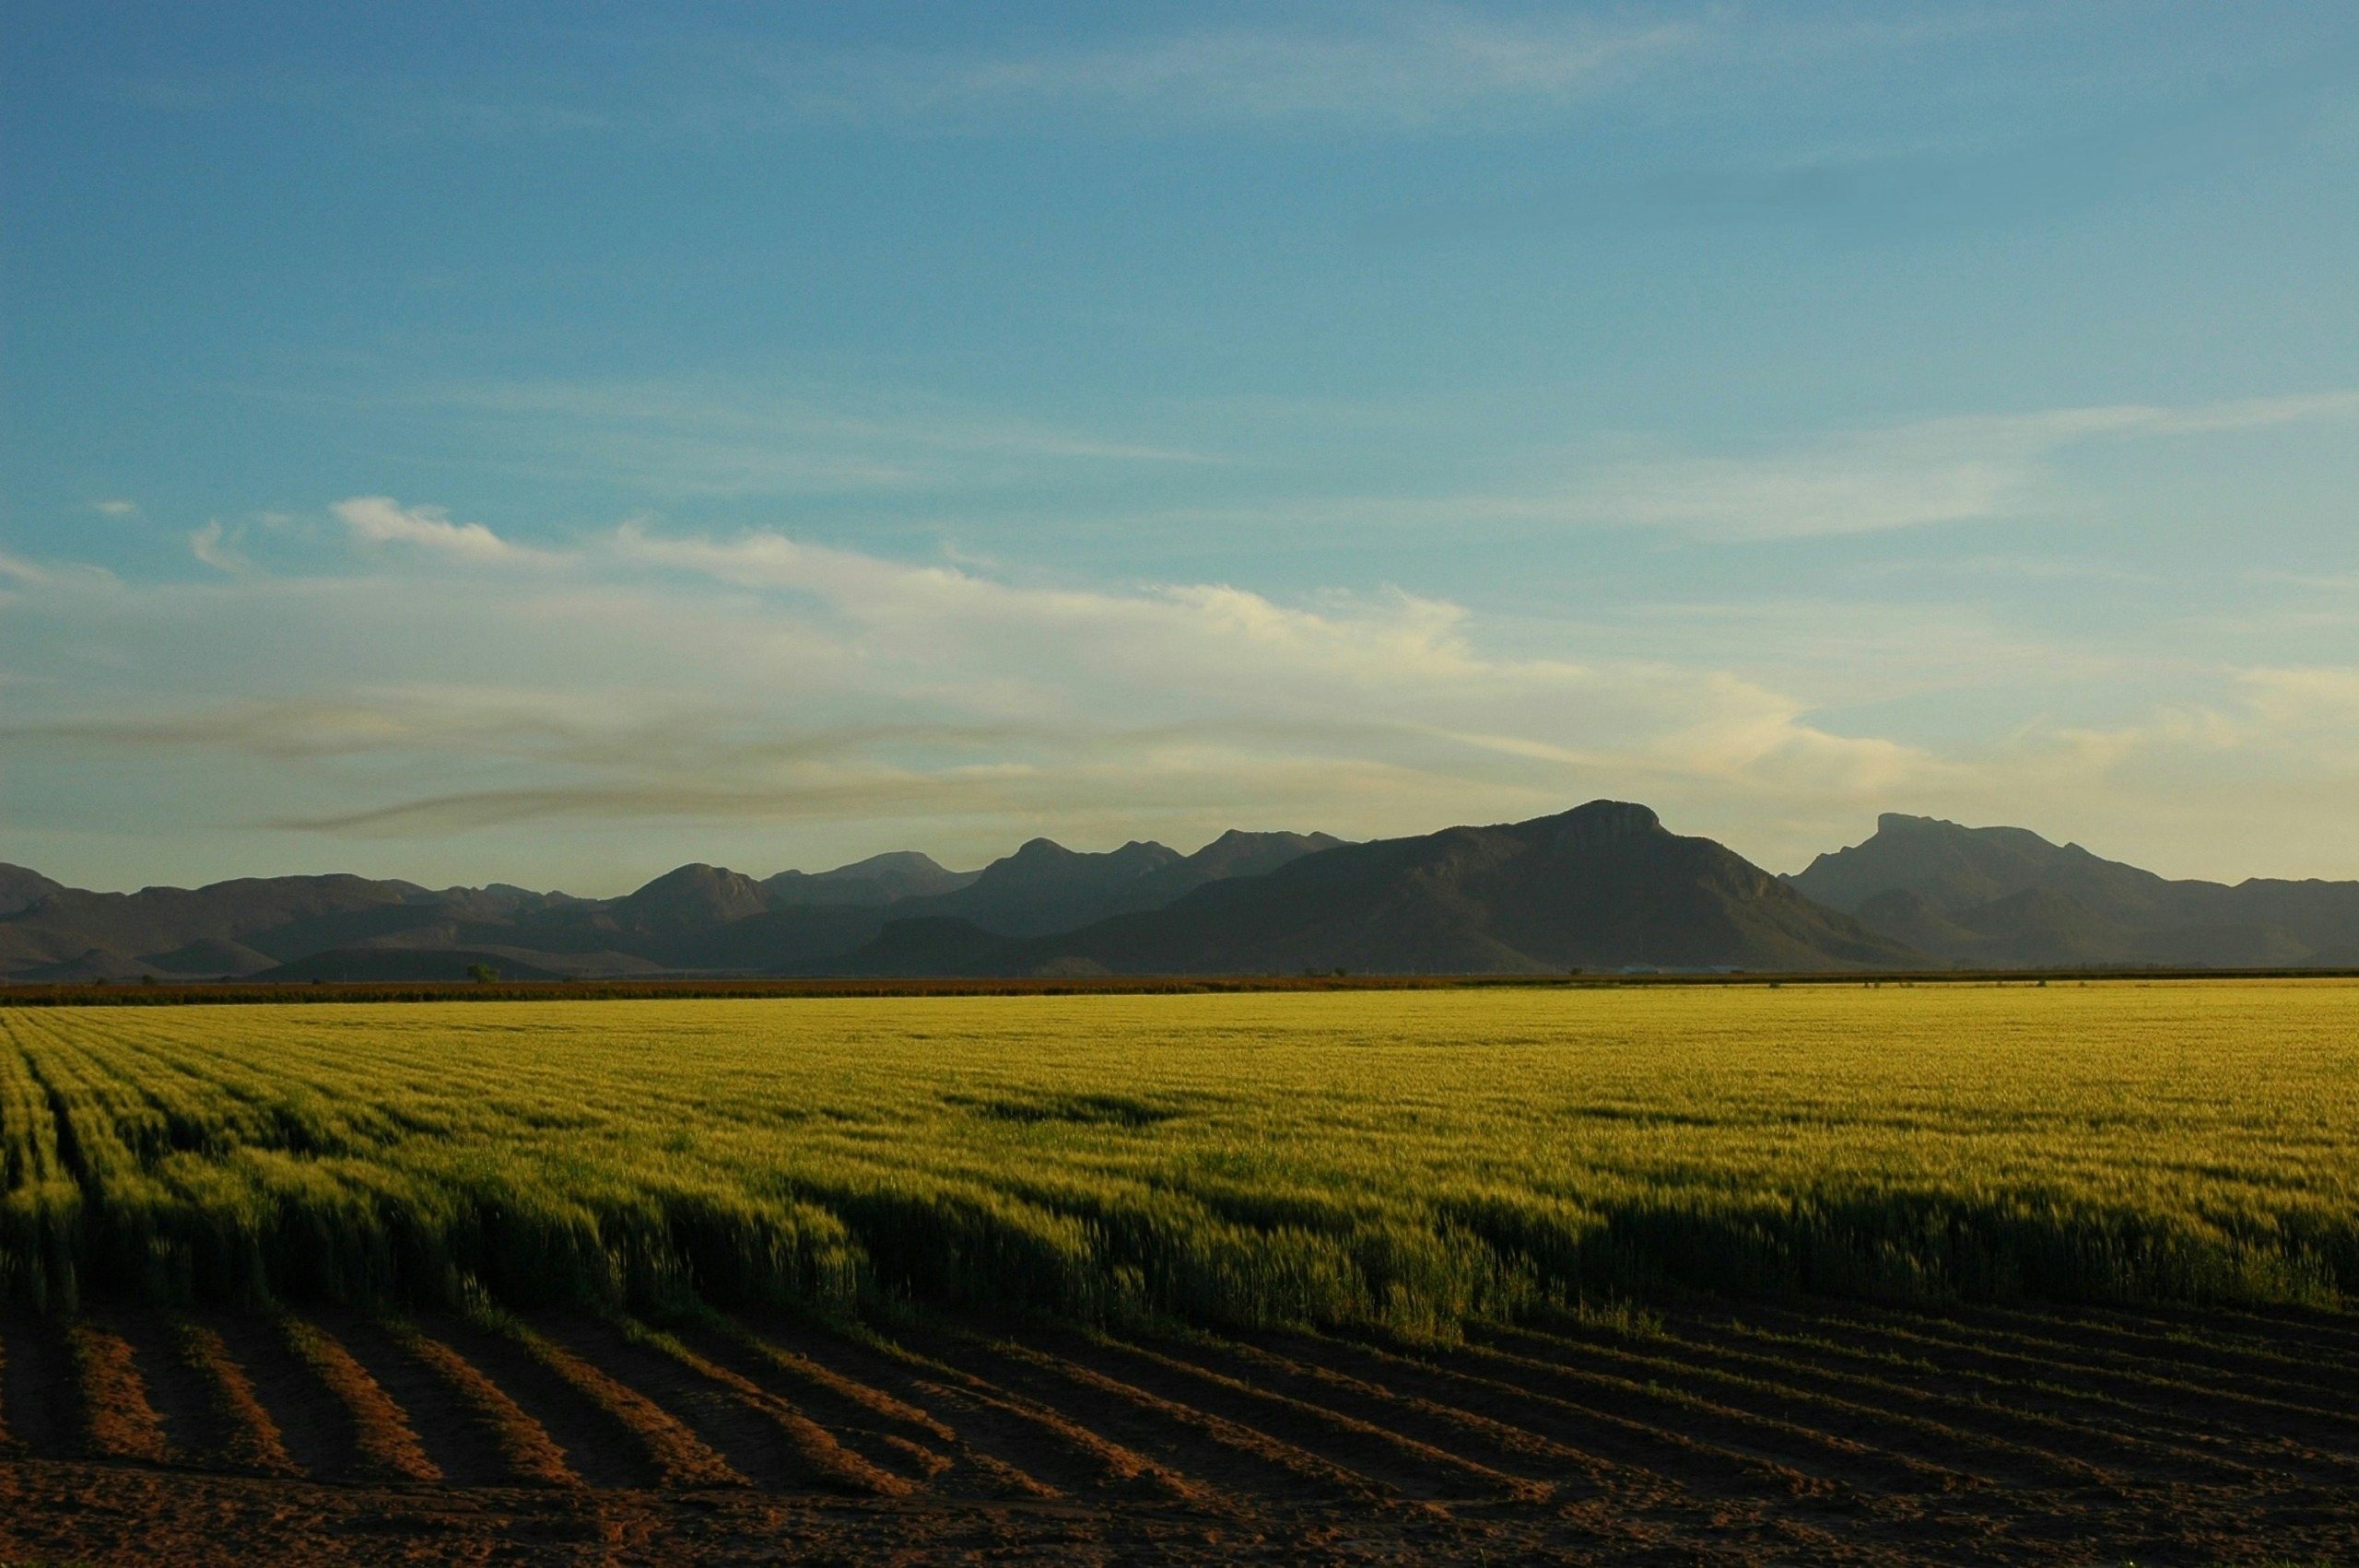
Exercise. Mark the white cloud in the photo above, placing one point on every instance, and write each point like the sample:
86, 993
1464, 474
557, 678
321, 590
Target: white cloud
218, 548
678, 688
377, 519
115, 508
761, 679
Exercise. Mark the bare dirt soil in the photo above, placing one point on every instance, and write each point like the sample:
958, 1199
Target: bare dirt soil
1787, 1432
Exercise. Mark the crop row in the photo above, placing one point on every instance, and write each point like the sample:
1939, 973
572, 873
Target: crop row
1824, 1433
1417, 1161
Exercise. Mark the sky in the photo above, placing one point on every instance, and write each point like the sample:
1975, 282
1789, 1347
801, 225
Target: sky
552, 443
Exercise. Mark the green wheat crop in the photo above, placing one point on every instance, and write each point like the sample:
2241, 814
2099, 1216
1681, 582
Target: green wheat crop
1416, 1159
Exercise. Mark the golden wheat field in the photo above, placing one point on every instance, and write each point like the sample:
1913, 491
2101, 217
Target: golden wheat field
1828, 1274
1411, 1158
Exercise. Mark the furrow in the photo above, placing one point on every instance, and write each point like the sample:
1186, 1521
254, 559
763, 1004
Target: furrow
2302, 1354
455, 1442
1937, 1426
2084, 1338
1854, 1413
1700, 1463
1662, 1480
882, 1430
1234, 1438
1992, 1413
594, 1445
2278, 1383
37, 1395
176, 1391
817, 1366
1826, 1459
2314, 1333
1109, 1460
118, 1420
1370, 1442
1454, 1397
525, 1446
380, 1432
851, 1391
812, 1444
245, 1438
1516, 1443
681, 1458
2149, 1417
314, 1427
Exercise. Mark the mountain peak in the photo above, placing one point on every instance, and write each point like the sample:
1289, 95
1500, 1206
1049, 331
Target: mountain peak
20, 888
1901, 822
694, 895
1601, 823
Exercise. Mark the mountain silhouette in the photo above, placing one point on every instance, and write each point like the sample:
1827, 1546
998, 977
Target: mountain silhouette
2004, 897
1044, 887
1604, 886
880, 879
19, 888
696, 919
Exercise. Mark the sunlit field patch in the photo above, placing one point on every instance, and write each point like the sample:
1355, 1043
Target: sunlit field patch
1414, 1160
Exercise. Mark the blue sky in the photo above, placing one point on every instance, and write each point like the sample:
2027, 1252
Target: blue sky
554, 443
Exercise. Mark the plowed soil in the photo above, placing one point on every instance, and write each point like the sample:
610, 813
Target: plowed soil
1789, 1433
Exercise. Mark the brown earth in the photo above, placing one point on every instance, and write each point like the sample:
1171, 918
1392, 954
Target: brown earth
1789, 1432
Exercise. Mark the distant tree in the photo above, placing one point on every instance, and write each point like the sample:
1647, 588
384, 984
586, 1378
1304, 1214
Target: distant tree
483, 974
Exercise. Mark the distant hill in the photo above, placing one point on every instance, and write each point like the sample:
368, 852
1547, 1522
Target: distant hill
20, 887
2004, 897
116, 930
1602, 888
880, 879
1044, 887
698, 919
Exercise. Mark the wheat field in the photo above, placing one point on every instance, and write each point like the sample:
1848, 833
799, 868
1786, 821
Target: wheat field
1413, 1161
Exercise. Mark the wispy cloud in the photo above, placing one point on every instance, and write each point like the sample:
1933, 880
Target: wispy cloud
1935, 471
379, 519
1407, 66
218, 548
761, 682
17, 570
656, 676
115, 508
715, 437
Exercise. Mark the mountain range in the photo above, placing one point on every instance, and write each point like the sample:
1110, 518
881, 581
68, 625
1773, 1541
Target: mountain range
1602, 887
2003, 897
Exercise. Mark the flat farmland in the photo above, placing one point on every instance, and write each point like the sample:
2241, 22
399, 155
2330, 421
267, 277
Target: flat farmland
1867, 1273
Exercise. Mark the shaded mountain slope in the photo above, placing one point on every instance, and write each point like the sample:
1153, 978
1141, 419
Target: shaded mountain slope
2006, 897
696, 919
1955, 868
156, 919
20, 887
406, 964
880, 879
1604, 886
1044, 887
